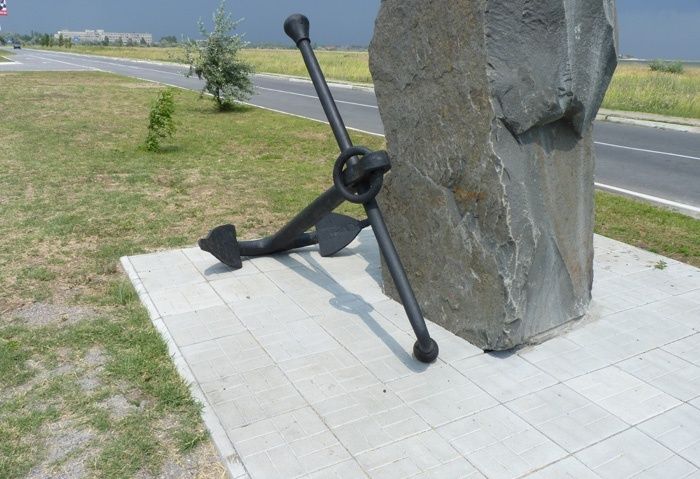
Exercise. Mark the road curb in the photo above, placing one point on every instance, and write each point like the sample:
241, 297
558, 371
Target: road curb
331, 83
649, 121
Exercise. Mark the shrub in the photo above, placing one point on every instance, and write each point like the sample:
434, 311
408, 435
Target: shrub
215, 60
161, 125
666, 67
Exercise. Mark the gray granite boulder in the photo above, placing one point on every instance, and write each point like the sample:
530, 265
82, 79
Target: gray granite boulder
487, 107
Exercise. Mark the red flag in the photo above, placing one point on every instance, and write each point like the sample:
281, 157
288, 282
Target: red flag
3, 7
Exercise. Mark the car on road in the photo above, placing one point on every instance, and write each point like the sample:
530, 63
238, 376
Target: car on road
16, 45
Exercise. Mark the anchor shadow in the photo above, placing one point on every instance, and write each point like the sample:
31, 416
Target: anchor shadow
348, 302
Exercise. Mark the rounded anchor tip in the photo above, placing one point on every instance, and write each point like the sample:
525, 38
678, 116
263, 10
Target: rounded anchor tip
426, 356
297, 27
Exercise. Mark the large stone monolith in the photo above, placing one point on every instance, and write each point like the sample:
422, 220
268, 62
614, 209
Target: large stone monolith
487, 107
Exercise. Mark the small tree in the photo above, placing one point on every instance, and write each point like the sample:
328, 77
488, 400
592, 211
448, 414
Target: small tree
215, 60
119, 42
60, 40
666, 67
168, 40
105, 42
161, 125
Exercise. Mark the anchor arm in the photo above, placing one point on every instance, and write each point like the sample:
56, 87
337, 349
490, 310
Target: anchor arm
333, 232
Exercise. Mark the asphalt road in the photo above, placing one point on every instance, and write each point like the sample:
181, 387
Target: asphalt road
658, 165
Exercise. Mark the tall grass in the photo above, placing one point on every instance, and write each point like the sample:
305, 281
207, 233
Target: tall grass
346, 66
636, 88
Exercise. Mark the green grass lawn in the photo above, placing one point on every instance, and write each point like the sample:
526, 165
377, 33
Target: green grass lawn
78, 354
648, 227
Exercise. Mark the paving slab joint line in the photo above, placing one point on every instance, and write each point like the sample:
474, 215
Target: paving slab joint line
235, 468
615, 364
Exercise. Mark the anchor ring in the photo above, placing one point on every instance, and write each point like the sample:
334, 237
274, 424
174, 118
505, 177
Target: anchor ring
375, 181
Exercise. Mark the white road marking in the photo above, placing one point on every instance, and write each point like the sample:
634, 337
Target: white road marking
84, 67
315, 97
651, 198
648, 151
177, 74
312, 119
122, 65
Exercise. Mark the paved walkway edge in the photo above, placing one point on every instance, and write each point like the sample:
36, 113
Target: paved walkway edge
232, 462
306, 366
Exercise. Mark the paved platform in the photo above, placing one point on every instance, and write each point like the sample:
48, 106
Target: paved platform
304, 369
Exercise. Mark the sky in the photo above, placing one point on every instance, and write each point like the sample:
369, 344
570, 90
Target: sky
648, 28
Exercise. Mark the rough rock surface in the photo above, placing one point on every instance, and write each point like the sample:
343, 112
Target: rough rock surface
487, 107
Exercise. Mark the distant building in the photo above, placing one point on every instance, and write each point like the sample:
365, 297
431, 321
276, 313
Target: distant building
98, 36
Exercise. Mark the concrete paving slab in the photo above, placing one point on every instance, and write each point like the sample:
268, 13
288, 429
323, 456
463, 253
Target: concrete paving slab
678, 430
304, 368
567, 417
634, 454
623, 395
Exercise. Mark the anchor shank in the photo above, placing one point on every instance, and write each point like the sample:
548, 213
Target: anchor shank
297, 27
326, 97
